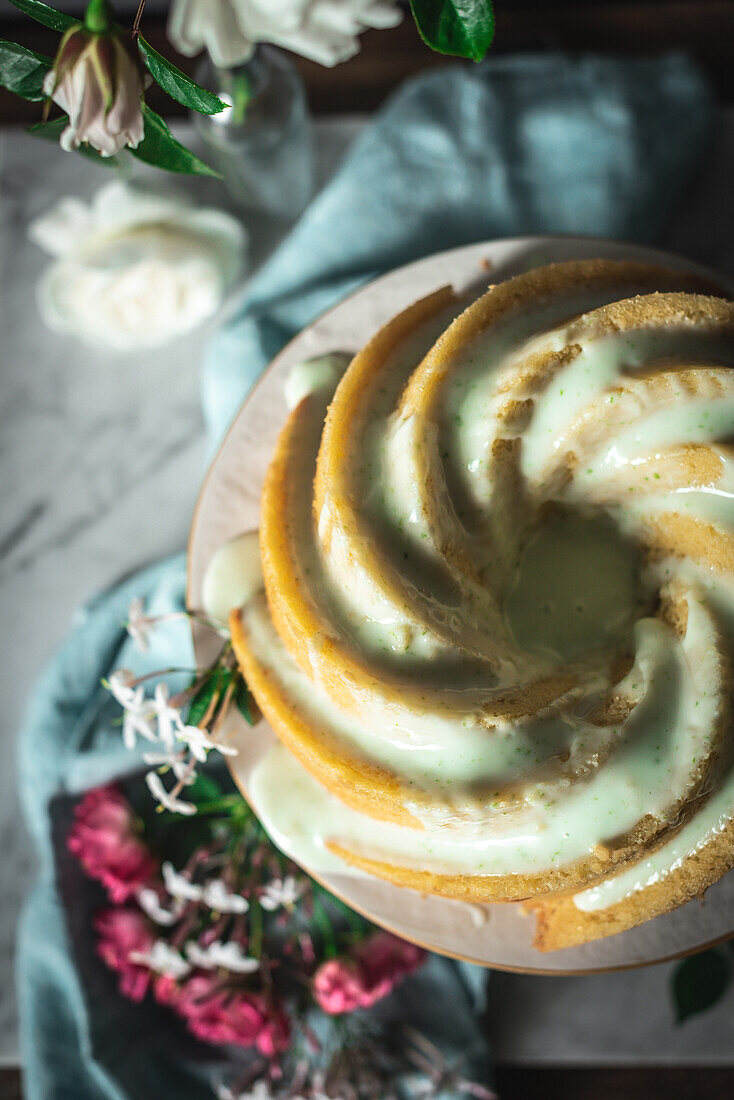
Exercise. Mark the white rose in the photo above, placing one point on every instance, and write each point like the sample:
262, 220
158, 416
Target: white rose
323, 30
134, 269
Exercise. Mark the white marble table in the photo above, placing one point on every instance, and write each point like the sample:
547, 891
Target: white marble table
102, 458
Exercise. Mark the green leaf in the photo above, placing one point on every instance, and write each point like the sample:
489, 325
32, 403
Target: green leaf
22, 71
42, 13
160, 148
244, 703
200, 703
204, 789
51, 131
179, 86
215, 683
700, 981
462, 28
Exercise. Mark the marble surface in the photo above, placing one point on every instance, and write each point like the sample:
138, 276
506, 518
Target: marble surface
102, 458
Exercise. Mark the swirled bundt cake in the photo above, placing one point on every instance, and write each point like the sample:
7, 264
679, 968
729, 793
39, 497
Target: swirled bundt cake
496, 621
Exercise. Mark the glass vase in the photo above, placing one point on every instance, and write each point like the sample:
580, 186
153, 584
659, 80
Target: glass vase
263, 142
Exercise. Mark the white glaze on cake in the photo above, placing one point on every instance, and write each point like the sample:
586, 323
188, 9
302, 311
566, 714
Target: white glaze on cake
534, 816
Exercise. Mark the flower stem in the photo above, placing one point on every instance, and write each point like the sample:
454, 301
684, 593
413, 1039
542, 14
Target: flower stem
216, 805
98, 17
256, 930
224, 707
138, 16
241, 96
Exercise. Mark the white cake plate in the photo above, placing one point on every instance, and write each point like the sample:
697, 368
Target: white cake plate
497, 935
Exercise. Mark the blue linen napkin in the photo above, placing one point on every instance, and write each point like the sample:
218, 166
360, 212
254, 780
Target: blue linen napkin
518, 145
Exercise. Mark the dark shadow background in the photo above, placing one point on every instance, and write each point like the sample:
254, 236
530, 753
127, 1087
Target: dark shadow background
704, 28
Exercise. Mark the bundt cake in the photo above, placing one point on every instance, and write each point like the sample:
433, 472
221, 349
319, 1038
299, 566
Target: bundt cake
497, 613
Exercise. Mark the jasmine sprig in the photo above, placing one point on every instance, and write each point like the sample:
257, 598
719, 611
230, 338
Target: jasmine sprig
184, 728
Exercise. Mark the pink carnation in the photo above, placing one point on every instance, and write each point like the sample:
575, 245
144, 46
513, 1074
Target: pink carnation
121, 932
218, 1013
167, 990
378, 964
338, 987
104, 841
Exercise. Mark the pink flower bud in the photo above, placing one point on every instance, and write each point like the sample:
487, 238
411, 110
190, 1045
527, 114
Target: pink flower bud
122, 933
338, 987
97, 82
167, 990
220, 1013
378, 964
104, 840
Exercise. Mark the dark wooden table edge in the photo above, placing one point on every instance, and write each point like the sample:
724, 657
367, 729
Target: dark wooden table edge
704, 29
564, 1082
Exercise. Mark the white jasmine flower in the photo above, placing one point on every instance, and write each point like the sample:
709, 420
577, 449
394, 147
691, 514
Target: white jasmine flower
179, 886
323, 30
230, 956
139, 711
120, 684
97, 82
169, 718
217, 897
139, 625
150, 903
160, 794
176, 761
279, 892
259, 1091
134, 269
138, 719
200, 743
163, 959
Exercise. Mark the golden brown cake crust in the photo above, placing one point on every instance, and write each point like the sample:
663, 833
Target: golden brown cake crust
355, 781
560, 923
298, 506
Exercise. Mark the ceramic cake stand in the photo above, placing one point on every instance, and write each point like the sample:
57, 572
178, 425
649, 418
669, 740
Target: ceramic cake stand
497, 935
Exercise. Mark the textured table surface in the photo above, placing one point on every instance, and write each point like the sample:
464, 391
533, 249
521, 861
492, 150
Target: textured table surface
102, 459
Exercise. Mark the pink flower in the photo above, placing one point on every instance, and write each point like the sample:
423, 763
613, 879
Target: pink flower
275, 1036
386, 957
100, 86
383, 960
338, 987
218, 1013
167, 990
122, 932
104, 841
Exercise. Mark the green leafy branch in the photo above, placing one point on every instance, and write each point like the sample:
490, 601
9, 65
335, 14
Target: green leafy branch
221, 685
23, 72
463, 28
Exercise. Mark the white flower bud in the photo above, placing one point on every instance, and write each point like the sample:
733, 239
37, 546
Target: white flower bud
97, 82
